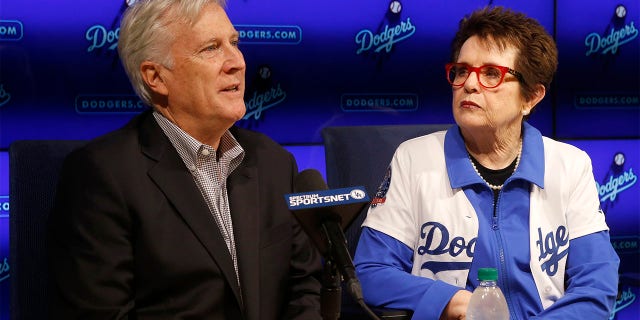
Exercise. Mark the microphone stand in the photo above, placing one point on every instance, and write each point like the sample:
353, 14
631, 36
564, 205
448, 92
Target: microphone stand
331, 293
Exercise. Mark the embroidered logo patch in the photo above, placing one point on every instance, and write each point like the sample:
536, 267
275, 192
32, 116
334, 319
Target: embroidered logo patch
381, 194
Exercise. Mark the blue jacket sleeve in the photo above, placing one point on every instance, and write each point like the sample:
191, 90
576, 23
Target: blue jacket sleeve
591, 280
383, 266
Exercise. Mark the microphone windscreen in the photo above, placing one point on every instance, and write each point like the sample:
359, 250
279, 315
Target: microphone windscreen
309, 180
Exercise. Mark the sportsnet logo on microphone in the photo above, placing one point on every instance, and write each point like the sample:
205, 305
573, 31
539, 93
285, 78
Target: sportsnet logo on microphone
325, 198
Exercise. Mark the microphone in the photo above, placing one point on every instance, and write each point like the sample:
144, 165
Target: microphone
323, 214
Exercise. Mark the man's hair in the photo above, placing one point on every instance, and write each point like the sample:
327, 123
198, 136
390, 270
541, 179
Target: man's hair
145, 36
537, 60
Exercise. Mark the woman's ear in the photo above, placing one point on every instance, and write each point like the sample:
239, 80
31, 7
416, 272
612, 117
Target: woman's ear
538, 94
152, 76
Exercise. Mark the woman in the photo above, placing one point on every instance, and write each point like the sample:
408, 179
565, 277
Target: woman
490, 192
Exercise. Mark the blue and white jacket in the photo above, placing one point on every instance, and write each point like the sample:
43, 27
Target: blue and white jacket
432, 224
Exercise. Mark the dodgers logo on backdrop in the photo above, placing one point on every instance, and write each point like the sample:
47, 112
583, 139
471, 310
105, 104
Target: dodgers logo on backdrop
612, 99
627, 297
610, 189
438, 241
269, 34
625, 244
4, 206
370, 102
105, 103
11, 30
263, 93
385, 40
261, 101
619, 33
553, 248
4, 96
4, 270
99, 37
617, 180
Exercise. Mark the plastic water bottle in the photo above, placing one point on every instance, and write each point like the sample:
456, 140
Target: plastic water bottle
487, 301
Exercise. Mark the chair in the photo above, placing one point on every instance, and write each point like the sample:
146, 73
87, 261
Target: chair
34, 167
359, 156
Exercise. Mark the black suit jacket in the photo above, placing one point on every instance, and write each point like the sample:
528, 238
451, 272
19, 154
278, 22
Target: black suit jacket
131, 236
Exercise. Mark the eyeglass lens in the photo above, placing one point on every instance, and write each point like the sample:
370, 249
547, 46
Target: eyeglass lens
489, 76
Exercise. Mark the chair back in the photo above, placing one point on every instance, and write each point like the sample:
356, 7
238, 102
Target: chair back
359, 156
34, 167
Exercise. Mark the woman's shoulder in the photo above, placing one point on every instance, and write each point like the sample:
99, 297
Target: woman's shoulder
431, 140
559, 147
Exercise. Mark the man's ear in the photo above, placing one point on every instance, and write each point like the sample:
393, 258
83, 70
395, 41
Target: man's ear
151, 75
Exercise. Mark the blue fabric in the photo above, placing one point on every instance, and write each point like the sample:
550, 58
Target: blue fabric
386, 281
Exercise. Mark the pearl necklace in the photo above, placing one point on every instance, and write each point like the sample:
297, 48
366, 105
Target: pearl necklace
492, 186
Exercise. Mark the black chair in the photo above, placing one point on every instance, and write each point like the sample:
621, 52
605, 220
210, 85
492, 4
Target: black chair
34, 167
359, 156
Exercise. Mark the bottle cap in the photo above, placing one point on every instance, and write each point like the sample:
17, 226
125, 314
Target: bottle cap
490, 274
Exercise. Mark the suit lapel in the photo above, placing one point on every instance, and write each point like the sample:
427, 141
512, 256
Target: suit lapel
244, 202
174, 179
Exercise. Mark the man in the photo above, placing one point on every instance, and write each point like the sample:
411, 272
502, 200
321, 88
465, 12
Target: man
179, 214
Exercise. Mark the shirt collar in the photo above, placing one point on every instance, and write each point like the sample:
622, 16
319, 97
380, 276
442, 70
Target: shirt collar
461, 173
188, 147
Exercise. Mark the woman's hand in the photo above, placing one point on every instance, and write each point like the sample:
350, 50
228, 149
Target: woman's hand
456, 309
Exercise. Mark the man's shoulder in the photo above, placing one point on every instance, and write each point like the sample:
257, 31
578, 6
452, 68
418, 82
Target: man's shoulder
116, 141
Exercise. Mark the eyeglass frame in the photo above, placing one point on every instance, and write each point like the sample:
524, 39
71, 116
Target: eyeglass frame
503, 71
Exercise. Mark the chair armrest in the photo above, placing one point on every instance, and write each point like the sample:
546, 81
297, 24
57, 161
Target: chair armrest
394, 314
